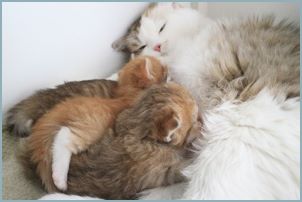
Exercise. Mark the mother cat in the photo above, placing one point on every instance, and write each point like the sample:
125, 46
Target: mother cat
245, 77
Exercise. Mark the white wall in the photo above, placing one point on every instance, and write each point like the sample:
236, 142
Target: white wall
45, 44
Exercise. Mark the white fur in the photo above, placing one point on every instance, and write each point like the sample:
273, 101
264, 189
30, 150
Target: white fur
58, 196
61, 158
175, 19
249, 151
113, 77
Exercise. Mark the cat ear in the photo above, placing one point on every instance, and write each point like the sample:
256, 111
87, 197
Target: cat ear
120, 44
143, 75
171, 125
148, 68
166, 123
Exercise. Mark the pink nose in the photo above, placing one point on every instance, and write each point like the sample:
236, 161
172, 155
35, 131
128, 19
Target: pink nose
157, 48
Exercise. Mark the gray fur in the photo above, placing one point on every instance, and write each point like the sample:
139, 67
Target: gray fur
20, 118
250, 54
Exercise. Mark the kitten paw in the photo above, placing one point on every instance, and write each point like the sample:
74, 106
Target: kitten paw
61, 158
60, 180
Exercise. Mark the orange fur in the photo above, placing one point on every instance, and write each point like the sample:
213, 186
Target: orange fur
130, 157
89, 117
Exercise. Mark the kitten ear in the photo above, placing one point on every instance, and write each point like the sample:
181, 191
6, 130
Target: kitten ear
166, 123
143, 74
120, 44
148, 68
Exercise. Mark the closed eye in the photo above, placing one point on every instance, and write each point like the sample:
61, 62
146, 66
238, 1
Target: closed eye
162, 28
142, 47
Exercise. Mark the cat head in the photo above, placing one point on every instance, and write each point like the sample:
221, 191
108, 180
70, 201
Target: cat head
165, 114
161, 25
142, 72
176, 122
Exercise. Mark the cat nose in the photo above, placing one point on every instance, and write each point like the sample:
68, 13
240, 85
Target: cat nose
157, 47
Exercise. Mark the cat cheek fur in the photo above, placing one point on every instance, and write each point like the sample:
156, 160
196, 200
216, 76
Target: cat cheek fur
120, 44
130, 42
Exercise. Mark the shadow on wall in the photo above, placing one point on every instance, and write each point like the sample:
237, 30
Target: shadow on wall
45, 44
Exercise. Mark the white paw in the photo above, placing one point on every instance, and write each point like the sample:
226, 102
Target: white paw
59, 179
61, 158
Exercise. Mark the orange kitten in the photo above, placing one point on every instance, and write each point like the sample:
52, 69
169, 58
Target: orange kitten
73, 125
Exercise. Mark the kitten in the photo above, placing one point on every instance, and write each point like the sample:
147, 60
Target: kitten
73, 125
21, 117
245, 76
133, 155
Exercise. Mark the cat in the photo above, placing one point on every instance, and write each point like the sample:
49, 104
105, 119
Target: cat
182, 33
230, 66
133, 156
73, 125
21, 117
237, 70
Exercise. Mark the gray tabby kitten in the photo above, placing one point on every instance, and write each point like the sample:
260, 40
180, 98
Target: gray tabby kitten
21, 117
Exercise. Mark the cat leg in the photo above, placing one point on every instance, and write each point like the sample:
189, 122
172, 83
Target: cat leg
72, 141
61, 158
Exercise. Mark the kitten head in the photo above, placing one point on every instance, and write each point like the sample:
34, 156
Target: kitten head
164, 113
176, 122
142, 72
161, 25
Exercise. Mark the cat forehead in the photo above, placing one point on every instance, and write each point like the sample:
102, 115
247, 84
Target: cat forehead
152, 20
151, 17
158, 11
148, 29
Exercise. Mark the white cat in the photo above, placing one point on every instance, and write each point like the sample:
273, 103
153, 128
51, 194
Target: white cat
244, 74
